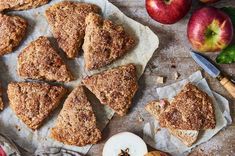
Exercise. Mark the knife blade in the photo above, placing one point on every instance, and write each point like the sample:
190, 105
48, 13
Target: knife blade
212, 70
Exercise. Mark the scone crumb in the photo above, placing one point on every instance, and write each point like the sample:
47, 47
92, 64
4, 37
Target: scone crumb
176, 75
160, 79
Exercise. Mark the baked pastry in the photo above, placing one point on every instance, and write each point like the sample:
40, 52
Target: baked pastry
191, 109
1, 102
39, 60
76, 123
21, 4
33, 102
156, 153
115, 87
104, 42
12, 31
155, 108
67, 20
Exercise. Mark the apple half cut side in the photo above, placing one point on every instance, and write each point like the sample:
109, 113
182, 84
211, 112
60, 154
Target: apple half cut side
209, 30
167, 11
125, 143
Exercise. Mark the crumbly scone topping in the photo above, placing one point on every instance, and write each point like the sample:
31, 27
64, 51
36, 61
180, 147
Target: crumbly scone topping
192, 109
12, 31
115, 87
67, 20
104, 42
33, 102
39, 60
156, 108
76, 123
21, 4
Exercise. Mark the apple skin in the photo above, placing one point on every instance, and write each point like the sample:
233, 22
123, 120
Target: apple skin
209, 30
209, 1
167, 11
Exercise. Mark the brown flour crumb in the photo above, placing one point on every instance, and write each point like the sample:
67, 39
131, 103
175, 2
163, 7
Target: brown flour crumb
104, 42
67, 20
191, 109
12, 31
21, 4
17, 127
39, 60
115, 87
76, 123
140, 118
33, 102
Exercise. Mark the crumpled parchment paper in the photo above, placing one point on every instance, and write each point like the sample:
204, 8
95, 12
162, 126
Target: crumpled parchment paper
30, 140
164, 141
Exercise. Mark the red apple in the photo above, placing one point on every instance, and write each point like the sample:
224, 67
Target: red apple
209, 1
209, 30
168, 11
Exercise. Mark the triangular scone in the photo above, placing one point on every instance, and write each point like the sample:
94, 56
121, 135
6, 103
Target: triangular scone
76, 123
1, 102
33, 102
21, 4
12, 31
104, 42
67, 20
188, 137
115, 87
39, 60
191, 109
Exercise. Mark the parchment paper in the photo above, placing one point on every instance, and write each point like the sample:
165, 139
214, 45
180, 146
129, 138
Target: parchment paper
13, 127
162, 139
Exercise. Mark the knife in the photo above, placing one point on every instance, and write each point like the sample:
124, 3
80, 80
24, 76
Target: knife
212, 70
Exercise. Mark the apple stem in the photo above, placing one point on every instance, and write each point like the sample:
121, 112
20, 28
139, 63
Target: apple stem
210, 33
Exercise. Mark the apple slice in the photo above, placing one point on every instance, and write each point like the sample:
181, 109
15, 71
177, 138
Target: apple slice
125, 143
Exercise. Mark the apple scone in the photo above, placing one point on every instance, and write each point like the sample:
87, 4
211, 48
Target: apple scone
155, 108
76, 123
104, 42
191, 109
188, 113
115, 87
21, 4
67, 20
33, 102
12, 31
39, 60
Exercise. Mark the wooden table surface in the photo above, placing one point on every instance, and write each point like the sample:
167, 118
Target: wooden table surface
173, 51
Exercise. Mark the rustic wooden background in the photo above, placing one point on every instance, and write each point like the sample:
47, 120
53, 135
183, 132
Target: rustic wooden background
173, 51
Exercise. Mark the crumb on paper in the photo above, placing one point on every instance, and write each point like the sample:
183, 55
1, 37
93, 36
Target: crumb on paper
176, 75
157, 129
140, 118
160, 79
17, 127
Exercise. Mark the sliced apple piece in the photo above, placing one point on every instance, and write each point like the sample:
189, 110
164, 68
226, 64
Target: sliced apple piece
125, 143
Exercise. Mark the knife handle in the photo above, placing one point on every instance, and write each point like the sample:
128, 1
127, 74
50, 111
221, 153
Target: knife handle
228, 85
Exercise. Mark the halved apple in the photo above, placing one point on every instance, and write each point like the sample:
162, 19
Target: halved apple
125, 143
